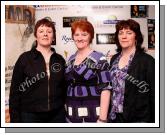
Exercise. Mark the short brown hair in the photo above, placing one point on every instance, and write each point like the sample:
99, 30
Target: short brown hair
83, 25
47, 23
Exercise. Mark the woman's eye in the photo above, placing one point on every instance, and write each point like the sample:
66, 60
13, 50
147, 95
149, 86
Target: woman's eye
40, 31
85, 34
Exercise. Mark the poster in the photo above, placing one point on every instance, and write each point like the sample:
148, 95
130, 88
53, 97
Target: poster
151, 34
105, 38
139, 11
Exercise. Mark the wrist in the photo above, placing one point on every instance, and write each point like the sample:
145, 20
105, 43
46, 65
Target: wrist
102, 120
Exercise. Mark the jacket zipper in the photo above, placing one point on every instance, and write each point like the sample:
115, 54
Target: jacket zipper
48, 74
48, 94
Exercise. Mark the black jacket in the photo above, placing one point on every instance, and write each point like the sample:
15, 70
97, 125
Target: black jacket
139, 97
31, 91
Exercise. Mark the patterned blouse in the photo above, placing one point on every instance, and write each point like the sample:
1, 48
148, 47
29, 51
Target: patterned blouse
118, 85
85, 83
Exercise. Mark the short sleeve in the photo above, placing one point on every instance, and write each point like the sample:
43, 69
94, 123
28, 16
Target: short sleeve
103, 73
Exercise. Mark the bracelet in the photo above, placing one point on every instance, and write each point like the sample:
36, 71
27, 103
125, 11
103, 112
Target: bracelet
105, 121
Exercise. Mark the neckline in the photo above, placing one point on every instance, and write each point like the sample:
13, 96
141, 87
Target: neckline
83, 59
127, 65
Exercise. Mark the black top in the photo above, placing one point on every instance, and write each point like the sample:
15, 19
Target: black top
31, 90
139, 97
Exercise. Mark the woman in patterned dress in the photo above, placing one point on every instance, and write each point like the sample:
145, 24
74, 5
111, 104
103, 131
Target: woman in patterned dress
87, 74
133, 77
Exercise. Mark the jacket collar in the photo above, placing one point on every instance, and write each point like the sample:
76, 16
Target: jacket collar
134, 61
36, 53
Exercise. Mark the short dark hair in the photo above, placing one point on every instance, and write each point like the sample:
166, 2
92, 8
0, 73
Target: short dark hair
47, 23
135, 27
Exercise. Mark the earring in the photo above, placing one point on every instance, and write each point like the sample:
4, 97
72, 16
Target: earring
136, 43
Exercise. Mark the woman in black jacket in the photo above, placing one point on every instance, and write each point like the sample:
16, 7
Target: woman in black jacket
37, 92
133, 77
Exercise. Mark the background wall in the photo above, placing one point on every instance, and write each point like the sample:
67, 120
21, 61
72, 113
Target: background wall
102, 17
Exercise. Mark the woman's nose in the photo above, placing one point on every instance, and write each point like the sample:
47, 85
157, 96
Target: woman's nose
45, 33
79, 38
124, 35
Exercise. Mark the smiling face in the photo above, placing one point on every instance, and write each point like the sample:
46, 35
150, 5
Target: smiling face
126, 38
81, 38
44, 36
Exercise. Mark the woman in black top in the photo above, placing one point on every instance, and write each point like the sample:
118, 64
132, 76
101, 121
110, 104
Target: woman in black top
133, 77
37, 92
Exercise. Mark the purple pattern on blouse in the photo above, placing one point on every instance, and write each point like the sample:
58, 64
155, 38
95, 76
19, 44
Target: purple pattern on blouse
87, 96
88, 74
118, 85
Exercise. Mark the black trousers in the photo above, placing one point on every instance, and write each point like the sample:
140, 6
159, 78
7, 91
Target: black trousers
54, 116
119, 119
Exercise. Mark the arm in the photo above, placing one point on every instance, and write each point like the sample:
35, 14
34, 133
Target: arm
104, 105
14, 96
105, 88
151, 81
